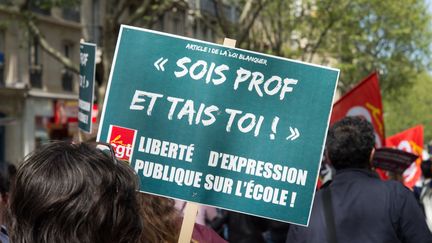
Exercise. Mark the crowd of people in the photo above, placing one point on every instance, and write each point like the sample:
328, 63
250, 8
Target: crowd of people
79, 192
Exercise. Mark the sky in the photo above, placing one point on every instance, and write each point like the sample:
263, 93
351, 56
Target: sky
429, 4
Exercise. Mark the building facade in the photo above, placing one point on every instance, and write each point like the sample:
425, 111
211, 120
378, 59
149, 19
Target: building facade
38, 95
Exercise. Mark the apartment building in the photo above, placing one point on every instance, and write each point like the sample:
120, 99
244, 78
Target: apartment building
37, 93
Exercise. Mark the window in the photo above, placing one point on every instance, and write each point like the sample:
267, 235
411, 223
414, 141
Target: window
67, 75
35, 64
71, 12
34, 52
38, 6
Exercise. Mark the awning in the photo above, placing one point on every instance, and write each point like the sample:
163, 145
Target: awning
25, 92
51, 95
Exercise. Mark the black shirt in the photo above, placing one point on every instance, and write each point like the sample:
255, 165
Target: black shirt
366, 210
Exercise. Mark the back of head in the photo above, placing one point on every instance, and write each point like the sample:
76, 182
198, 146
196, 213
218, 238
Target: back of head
350, 142
74, 193
160, 217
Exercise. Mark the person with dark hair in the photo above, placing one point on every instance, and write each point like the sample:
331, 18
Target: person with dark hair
7, 173
160, 217
67, 192
358, 207
163, 221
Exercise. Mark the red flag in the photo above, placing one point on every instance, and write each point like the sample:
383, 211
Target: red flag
363, 100
410, 140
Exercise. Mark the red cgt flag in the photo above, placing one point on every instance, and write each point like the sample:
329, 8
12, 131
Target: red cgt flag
410, 140
363, 100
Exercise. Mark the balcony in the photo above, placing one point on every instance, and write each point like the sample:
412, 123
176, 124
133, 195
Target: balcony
71, 14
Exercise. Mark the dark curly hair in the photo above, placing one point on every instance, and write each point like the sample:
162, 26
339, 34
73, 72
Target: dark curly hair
68, 193
350, 142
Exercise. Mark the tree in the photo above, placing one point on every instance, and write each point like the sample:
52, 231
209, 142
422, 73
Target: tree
356, 36
392, 38
22, 10
415, 108
131, 12
234, 19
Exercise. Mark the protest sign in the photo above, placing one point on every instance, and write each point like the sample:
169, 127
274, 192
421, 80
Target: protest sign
216, 125
363, 100
410, 140
86, 85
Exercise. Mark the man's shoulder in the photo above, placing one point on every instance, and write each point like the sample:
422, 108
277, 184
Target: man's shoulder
396, 186
361, 177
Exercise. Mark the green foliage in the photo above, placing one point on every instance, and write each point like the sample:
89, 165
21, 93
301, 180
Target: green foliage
414, 108
357, 36
389, 36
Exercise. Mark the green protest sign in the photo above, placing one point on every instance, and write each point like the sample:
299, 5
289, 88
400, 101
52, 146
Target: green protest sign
219, 126
86, 85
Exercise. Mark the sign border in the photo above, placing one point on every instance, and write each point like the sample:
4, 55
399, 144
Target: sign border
219, 45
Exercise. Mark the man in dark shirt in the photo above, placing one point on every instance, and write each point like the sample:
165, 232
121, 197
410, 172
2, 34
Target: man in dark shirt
361, 207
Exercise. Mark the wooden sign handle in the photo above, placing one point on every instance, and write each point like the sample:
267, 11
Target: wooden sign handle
189, 217
191, 209
80, 136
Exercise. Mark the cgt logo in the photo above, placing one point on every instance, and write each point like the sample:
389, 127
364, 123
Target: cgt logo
122, 140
